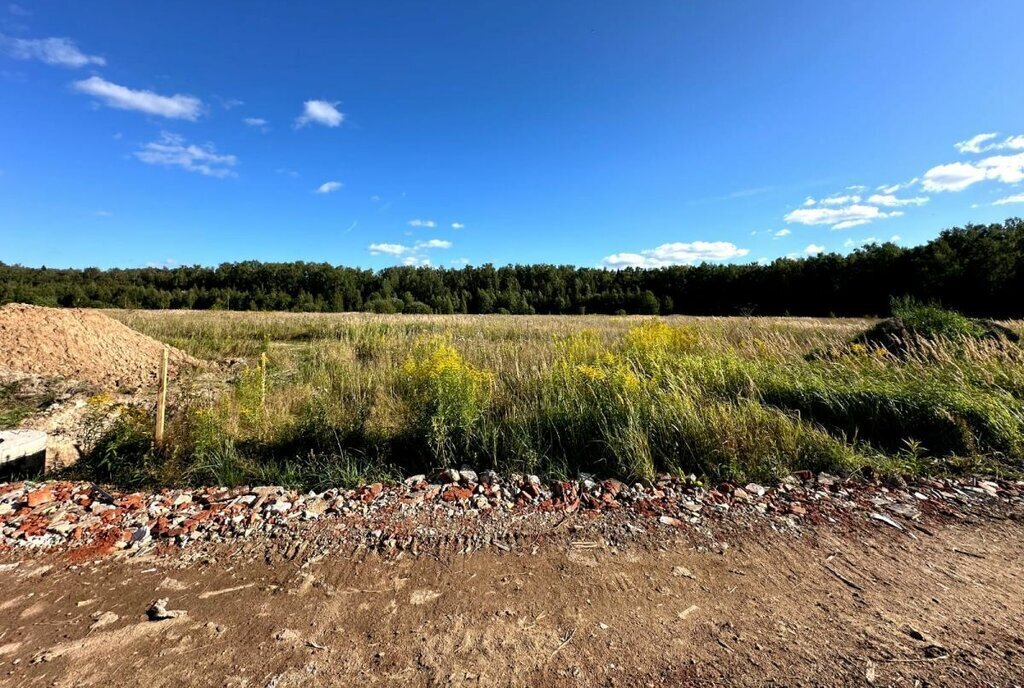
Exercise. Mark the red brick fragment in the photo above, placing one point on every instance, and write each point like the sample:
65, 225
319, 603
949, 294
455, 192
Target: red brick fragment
41, 496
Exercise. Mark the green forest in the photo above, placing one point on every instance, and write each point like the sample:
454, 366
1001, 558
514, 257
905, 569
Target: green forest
976, 269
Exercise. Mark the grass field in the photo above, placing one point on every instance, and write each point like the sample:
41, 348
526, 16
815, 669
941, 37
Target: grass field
349, 397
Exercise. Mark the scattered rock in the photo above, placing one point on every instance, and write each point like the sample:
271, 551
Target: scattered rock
158, 611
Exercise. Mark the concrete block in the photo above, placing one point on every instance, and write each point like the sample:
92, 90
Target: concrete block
22, 453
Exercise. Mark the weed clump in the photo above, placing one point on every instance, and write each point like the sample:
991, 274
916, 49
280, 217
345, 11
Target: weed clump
445, 397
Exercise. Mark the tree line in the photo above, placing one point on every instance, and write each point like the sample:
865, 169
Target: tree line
976, 269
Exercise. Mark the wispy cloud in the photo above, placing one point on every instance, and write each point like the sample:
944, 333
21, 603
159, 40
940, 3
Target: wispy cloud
257, 123
838, 200
676, 253
402, 249
814, 249
328, 187
17, 10
985, 142
172, 150
1016, 198
734, 195
840, 218
422, 223
286, 172
782, 233
320, 112
457, 225
890, 201
433, 243
113, 95
975, 144
893, 188
62, 52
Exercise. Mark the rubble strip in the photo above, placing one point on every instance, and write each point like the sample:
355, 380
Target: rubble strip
465, 510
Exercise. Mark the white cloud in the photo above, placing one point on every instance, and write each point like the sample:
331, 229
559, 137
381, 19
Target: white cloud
257, 123
433, 243
457, 225
1016, 198
52, 51
957, 176
813, 249
782, 233
401, 250
979, 143
389, 249
173, 107
893, 188
839, 200
102, 213
676, 253
1008, 169
461, 261
975, 144
895, 238
320, 112
422, 223
857, 188
890, 201
328, 187
172, 150
839, 218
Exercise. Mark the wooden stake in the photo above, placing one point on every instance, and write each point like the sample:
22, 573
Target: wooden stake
161, 402
263, 381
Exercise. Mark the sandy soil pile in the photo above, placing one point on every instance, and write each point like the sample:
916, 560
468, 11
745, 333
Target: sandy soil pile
83, 345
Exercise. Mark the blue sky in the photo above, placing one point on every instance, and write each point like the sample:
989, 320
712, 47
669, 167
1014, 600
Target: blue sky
593, 133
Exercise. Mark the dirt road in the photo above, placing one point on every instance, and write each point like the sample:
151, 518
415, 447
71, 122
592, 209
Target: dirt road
877, 606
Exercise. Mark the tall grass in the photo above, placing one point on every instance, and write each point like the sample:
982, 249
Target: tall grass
351, 396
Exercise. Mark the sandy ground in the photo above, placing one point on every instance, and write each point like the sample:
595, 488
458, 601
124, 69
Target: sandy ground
835, 608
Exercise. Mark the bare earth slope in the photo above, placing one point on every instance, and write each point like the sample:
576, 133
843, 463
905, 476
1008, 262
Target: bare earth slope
80, 344
876, 606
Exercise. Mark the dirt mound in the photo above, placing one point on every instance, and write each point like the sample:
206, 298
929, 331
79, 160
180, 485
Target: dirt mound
83, 345
897, 336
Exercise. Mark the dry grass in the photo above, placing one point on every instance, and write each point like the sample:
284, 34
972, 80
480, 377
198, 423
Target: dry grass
346, 396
